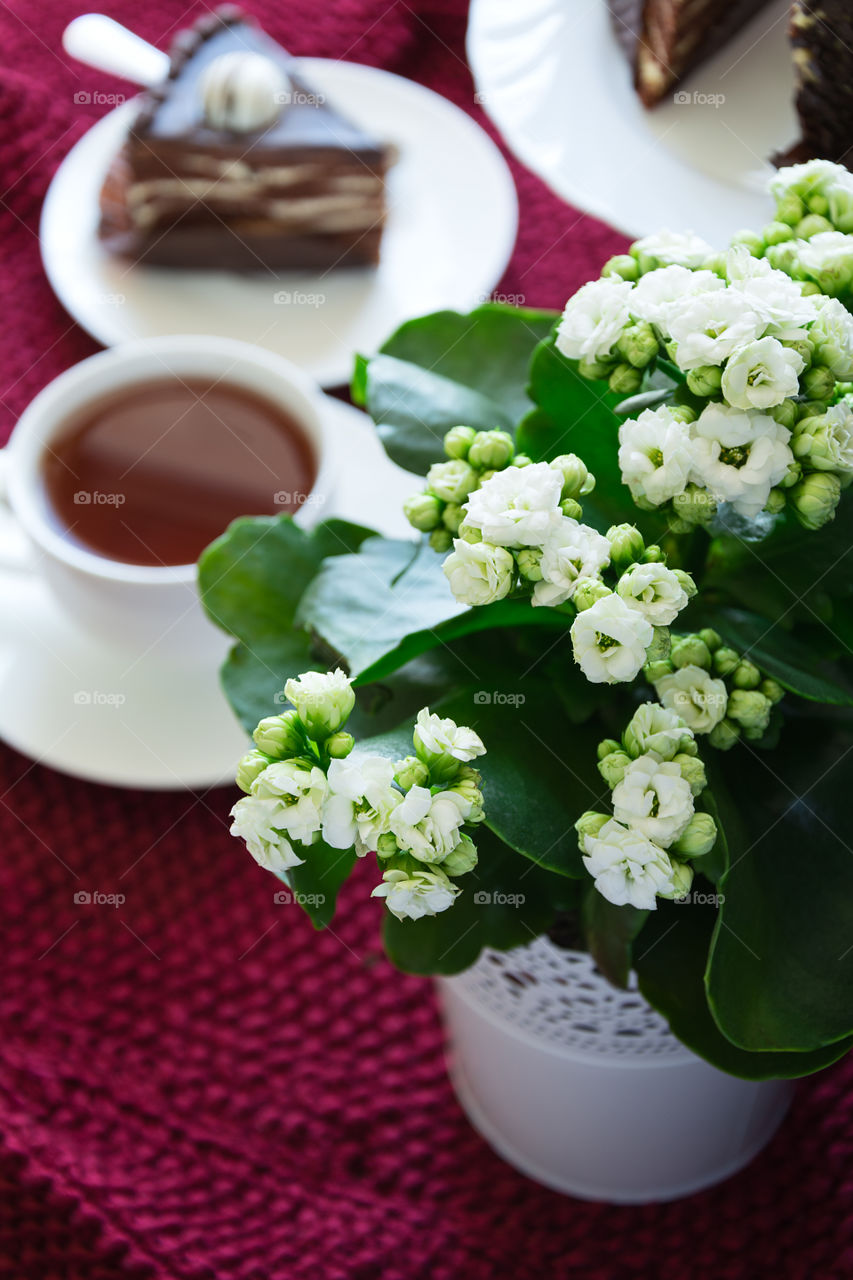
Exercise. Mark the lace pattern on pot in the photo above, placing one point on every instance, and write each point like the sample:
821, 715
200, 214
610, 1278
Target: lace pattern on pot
559, 997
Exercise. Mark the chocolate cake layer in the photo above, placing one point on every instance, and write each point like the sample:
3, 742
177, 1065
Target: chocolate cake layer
306, 191
666, 39
822, 39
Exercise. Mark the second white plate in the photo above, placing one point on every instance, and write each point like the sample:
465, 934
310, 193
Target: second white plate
553, 78
451, 229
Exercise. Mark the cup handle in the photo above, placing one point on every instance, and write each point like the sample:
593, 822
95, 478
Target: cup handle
15, 550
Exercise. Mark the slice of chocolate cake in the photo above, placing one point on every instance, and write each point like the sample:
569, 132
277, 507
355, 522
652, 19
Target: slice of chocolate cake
235, 162
822, 38
665, 39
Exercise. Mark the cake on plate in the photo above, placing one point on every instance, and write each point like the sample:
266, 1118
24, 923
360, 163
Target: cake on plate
236, 162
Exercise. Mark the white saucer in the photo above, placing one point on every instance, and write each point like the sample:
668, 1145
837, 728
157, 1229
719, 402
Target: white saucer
139, 720
451, 229
554, 80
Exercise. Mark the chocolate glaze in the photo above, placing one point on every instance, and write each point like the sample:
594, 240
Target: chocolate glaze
822, 39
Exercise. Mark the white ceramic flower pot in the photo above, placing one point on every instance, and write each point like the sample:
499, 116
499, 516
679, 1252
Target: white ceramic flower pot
584, 1087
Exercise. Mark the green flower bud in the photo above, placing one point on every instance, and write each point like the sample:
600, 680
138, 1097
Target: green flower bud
686, 582
577, 480
386, 845
469, 789
661, 645
776, 502
772, 690
522, 460
681, 879
462, 859
638, 344
809, 289
529, 561
790, 209
694, 506
746, 675
818, 382
612, 768
340, 744
626, 545
792, 476
607, 746
712, 638
458, 441
690, 651
625, 380
249, 767
323, 701
751, 239
706, 380
653, 554
692, 771
725, 661
441, 540
571, 508
776, 233
810, 409
621, 265
587, 591
750, 709
411, 772
468, 533
452, 516
783, 254
815, 498
812, 225
818, 203
423, 511
683, 413
280, 736
594, 370
803, 348
589, 824
724, 735
491, 450
452, 481
785, 413
698, 837
654, 671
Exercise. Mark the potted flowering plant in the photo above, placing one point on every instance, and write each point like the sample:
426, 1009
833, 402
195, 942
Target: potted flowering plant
603, 706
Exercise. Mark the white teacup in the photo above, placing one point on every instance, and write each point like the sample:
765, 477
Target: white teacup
139, 607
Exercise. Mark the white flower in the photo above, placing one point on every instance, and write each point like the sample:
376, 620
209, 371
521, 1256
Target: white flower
609, 641
832, 335
654, 798
709, 328
773, 295
738, 456
828, 256
628, 869
260, 823
695, 696
656, 291
427, 825
683, 248
655, 456
478, 572
300, 790
572, 551
410, 895
656, 728
593, 319
832, 449
359, 803
815, 177
655, 591
762, 374
323, 700
451, 481
517, 507
436, 736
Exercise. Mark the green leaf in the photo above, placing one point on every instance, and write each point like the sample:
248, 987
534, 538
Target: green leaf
781, 970
316, 883
782, 656
505, 902
610, 932
447, 368
670, 956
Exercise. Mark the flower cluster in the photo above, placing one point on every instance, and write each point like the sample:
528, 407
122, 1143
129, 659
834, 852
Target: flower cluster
305, 783
714, 689
643, 850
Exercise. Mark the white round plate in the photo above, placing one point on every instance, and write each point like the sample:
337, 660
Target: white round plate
556, 83
143, 721
451, 228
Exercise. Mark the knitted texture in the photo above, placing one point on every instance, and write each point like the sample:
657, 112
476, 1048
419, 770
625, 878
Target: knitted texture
195, 1085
